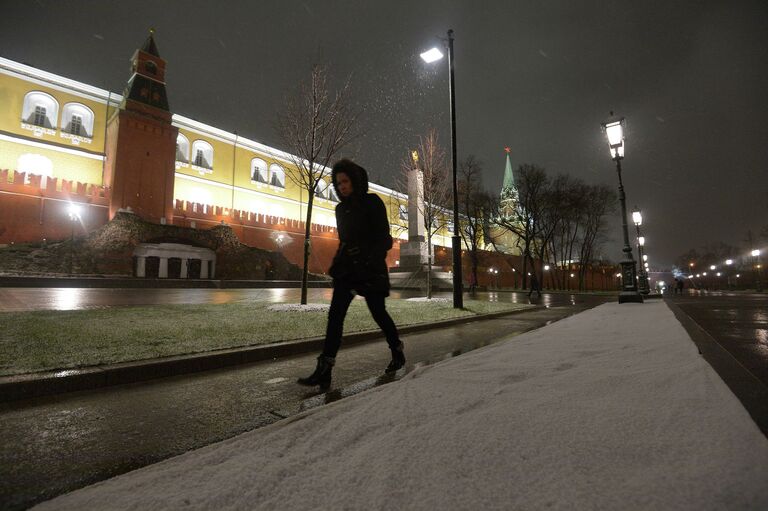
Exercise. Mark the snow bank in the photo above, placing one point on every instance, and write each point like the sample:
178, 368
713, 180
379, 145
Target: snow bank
297, 307
610, 409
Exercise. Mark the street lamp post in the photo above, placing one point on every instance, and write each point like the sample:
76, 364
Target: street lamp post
637, 219
756, 255
614, 130
431, 56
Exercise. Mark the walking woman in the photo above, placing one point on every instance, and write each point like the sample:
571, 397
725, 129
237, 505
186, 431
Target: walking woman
359, 267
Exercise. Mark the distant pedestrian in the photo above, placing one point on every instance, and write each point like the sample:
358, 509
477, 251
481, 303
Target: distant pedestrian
535, 286
472, 283
359, 267
680, 286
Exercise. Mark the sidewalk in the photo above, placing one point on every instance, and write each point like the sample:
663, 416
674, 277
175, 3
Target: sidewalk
612, 409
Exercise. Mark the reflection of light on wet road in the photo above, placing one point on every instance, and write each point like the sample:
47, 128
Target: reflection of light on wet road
21, 299
67, 298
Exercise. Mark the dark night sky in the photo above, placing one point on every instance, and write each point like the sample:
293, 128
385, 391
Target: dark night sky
540, 76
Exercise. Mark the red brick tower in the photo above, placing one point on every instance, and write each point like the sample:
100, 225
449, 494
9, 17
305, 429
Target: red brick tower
141, 142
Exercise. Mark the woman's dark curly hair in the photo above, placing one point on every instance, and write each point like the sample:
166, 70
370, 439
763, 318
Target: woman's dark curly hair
356, 174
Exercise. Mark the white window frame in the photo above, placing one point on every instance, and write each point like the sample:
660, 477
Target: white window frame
182, 146
39, 98
402, 211
86, 115
260, 166
207, 152
280, 171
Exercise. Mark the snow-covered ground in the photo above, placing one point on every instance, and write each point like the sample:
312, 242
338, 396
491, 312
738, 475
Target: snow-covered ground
610, 409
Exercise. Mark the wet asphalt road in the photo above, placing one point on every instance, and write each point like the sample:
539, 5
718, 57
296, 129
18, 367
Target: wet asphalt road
738, 322
26, 299
56, 444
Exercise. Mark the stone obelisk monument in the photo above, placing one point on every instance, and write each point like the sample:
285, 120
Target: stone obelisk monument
413, 255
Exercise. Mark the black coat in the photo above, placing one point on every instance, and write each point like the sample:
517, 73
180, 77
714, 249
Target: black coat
364, 239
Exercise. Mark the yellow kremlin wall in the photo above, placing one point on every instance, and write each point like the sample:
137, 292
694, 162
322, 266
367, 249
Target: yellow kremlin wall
54, 127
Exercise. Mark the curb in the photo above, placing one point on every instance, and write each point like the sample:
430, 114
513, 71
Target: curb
752, 393
13, 388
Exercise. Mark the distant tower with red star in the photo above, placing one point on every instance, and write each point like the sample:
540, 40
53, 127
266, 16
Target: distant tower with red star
509, 195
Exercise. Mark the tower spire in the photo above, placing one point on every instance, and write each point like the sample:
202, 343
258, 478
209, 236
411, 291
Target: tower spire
509, 194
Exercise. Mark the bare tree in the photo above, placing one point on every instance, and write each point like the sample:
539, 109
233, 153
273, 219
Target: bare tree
568, 199
435, 192
600, 201
475, 208
315, 125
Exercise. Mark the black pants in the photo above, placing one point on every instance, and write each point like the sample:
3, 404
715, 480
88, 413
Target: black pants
342, 297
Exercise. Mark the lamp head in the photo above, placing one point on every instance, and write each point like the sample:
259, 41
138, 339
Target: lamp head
614, 131
432, 55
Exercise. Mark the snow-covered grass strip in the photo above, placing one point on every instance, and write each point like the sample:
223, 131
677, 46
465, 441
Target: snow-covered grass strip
57, 340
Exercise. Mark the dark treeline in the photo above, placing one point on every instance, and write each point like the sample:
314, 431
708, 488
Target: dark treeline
559, 220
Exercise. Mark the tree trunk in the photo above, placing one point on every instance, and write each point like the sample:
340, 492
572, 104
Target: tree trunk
429, 267
474, 270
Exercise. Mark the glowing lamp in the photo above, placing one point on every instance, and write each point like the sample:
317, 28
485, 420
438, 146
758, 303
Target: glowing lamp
74, 211
614, 131
432, 55
637, 217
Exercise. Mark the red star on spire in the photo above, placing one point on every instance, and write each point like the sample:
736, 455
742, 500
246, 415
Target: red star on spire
507, 150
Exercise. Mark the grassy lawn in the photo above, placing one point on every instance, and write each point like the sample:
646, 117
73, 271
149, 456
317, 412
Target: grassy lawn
52, 340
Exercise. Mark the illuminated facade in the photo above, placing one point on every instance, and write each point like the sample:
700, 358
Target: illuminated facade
63, 141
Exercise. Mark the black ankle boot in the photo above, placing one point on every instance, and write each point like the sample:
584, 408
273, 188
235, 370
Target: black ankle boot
398, 359
322, 374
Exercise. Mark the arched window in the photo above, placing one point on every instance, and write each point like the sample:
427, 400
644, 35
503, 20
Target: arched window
35, 164
77, 119
332, 196
40, 109
321, 189
277, 175
202, 154
182, 149
259, 170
